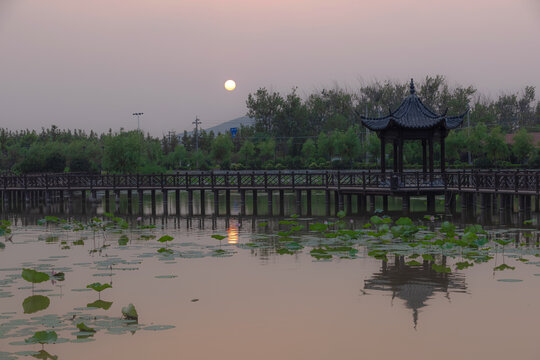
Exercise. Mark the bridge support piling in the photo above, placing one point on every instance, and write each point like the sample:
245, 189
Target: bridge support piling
298, 199
94, 197
464, 206
270, 203
431, 204
341, 203
255, 203
349, 204
203, 202
107, 201
281, 203
308, 198
521, 209
360, 204
485, 212
528, 201
140, 199
70, 200
243, 202
371, 204
406, 204
190, 203
327, 202
117, 200
153, 201
385, 203
228, 202
536, 203
130, 202
165, 202
27, 202
216, 202
502, 209
177, 202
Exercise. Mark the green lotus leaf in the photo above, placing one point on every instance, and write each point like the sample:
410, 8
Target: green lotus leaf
129, 312
82, 327
100, 304
218, 237
35, 303
165, 238
99, 287
504, 267
43, 355
42, 337
34, 276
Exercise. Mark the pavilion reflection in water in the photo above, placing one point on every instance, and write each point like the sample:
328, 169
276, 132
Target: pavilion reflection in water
415, 284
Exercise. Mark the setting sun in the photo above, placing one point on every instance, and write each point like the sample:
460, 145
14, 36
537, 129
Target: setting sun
230, 85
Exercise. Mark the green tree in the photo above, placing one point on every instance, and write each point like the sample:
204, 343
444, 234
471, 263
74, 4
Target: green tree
523, 145
123, 152
309, 151
222, 147
247, 152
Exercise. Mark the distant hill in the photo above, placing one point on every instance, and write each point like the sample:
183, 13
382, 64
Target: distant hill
223, 127
226, 126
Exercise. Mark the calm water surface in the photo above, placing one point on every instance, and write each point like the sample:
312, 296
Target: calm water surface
245, 297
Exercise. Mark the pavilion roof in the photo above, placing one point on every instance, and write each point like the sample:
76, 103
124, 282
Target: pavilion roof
413, 114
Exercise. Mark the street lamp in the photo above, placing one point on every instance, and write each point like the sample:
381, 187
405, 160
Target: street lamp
138, 115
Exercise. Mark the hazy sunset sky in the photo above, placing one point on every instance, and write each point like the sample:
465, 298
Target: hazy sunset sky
91, 64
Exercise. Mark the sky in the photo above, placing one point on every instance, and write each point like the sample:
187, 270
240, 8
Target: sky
91, 64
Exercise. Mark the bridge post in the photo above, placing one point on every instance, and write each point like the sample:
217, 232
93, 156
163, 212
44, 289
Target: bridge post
281, 202
521, 203
190, 202
153, 201
308, 201
140, 196
61, 198
243, 202
485, 212
361, 204
463, 197
203, 201
327, 202
216, 203
177, 201
371, 204
406, 204
116, 200
107, 205
336, 202
385, 203
26, 199
270, 203
228, 202
165, 201
536, 203
430, 203
70, 200
502, 209
298, 199
255, 199
130, 201
528, 207
349, 204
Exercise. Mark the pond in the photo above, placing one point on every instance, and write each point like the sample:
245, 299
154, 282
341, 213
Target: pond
266, 288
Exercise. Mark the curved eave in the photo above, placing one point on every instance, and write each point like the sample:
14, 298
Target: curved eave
376, 124
453, 122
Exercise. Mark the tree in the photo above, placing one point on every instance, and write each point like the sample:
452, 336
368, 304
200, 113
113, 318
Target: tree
496, 147
222, 147
122, 152
247, 152
309, 151
264, 107
523, 145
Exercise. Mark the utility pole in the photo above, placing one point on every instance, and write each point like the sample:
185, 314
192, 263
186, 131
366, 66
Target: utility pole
367, 138
469, 134
197, 122
138, 115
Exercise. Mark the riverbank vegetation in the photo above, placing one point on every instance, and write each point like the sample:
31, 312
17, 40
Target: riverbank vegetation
319, 131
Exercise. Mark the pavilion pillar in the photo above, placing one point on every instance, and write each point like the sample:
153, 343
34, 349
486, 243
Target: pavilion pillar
383, 155
443, 154
424, 158
430, 160
395, 156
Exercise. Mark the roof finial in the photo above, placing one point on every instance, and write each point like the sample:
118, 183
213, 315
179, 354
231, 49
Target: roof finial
412, 87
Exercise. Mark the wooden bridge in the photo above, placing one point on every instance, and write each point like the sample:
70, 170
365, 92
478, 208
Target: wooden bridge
475, 188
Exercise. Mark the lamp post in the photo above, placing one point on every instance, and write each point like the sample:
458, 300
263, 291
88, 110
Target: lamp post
138, 115
197, 122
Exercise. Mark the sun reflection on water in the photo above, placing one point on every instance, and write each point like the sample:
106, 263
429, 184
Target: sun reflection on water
232, 232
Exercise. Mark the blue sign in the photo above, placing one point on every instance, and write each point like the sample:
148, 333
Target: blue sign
234, 131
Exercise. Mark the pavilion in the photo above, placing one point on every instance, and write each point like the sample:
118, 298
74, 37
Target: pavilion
412, 120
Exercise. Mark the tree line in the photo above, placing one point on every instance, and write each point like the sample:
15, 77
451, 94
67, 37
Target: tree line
320, 131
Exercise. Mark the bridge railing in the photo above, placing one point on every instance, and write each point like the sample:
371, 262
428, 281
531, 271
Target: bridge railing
276, 179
